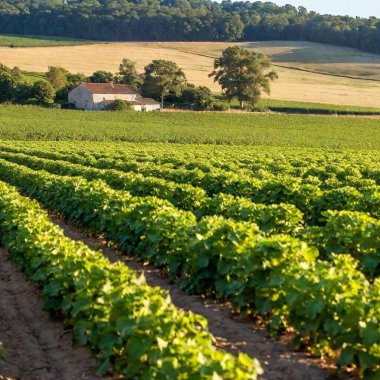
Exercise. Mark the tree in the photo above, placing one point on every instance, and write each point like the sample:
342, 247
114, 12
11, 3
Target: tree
74, 80
23, 92
233, 28
129, 75
57, 77
17, 73
10, 79
203, 98
12, 86
8, 87
162, 78
188, 94
101, 77
43, 92
243, 74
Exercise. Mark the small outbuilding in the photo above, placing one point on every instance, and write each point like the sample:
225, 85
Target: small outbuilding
96, 97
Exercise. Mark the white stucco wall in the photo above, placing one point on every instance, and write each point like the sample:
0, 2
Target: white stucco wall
152, 107
137, 107
98, 99
146, 108
81, 98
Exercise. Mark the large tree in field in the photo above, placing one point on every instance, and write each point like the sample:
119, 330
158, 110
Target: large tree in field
128, 74
162, 78
243, 74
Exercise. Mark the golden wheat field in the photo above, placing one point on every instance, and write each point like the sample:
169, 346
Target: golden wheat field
304, 68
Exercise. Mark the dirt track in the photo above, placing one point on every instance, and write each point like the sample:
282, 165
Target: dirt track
36, 346
280, 360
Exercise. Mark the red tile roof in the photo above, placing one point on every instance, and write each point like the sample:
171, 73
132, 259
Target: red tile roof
145, 101
109, 88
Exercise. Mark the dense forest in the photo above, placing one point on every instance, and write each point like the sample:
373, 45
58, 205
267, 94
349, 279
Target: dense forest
185, 20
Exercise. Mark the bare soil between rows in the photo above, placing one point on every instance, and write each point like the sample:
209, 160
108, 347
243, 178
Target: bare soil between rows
279, 359
36, 346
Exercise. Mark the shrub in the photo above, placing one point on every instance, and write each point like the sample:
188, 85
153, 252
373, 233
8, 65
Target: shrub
43, 92
203, 99
258, 108
119, 105
220, 107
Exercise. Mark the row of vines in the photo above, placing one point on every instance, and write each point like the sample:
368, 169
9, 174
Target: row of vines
291, 238
133, 329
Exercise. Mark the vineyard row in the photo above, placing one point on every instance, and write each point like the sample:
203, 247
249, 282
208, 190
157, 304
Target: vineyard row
133, 328
330, 304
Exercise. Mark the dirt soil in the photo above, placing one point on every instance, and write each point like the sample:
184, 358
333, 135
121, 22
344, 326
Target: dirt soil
280, 360
36, 346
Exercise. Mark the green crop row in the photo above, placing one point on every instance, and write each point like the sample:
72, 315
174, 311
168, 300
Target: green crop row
347, 231
307, 197
133, 328
333, 237
323, 165
270, 218
331, 305
325, 169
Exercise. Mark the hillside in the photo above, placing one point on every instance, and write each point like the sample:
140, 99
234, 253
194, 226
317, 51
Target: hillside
321, 58
197, 60
14, 41
186, 20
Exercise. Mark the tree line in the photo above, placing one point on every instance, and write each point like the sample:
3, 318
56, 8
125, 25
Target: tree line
242, 75
185, 20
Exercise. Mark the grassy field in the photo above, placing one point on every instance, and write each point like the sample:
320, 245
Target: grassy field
289, 106
197, 61
14, 40
33, 77
23, 123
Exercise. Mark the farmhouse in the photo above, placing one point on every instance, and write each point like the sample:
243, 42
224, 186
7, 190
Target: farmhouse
96, 97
